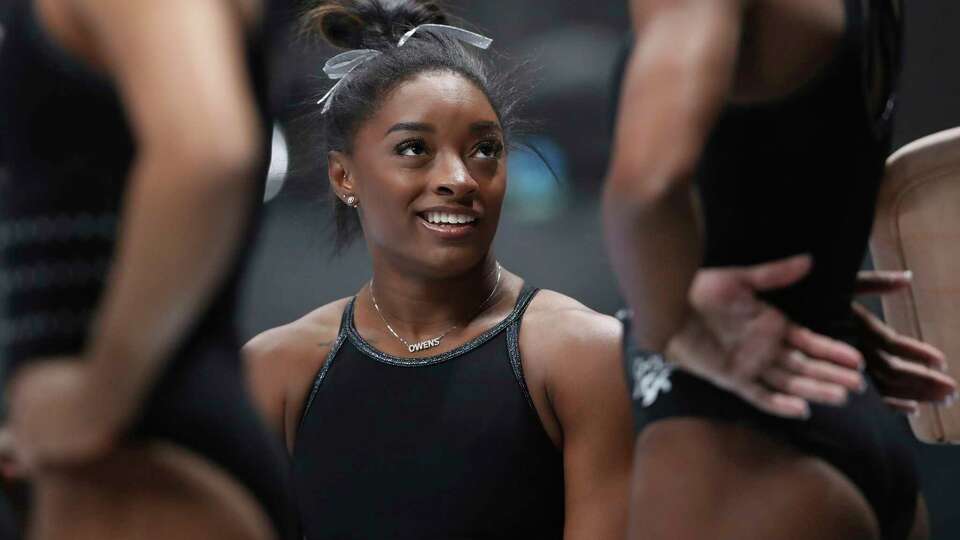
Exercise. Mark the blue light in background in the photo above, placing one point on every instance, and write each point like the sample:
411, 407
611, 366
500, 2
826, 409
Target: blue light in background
533, 194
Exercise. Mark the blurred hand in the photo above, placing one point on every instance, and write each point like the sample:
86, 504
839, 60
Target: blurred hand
59, 415
749, 348
906, 371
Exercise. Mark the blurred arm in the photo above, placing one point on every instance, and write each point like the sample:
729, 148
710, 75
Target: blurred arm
676, 83
180, 68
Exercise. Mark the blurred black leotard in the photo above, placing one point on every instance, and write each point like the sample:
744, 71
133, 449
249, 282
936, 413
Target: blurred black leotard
796, 175
68, 149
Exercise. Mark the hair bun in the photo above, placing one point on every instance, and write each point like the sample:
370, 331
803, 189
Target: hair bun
370, 24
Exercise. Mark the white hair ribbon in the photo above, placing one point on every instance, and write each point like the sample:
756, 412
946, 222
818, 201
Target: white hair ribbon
466, 36
343, 64
339, 67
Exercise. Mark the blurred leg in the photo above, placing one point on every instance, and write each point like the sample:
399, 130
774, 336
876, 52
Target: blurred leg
699, 479
155, 491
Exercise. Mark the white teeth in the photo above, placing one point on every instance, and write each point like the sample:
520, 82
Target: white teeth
443, 217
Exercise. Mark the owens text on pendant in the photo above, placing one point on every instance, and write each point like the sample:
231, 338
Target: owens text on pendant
423, 345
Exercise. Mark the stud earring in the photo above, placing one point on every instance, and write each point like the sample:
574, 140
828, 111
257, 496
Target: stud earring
351, 201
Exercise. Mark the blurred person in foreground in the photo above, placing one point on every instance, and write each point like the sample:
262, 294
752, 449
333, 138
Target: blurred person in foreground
135, 139
781, 112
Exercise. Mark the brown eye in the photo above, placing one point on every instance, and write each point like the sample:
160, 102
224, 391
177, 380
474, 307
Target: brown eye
491, 149
411, 148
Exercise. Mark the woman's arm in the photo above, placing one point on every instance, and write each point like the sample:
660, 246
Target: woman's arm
266, 358
578, 353
180, 68
676, 83
282, 364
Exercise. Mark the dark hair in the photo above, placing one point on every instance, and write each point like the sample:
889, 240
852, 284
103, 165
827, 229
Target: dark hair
379, 25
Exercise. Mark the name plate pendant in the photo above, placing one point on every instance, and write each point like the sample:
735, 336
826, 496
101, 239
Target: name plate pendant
424, 345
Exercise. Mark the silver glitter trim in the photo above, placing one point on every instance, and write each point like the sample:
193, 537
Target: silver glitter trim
318, 381
513, 351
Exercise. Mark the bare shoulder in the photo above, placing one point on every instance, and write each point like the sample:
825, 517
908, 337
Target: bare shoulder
574, 352
555, 320
308, 338
563, 340
281, 364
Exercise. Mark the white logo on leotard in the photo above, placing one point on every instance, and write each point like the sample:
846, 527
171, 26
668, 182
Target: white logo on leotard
651, 377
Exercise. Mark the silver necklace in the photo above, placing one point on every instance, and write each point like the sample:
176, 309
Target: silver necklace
433, 342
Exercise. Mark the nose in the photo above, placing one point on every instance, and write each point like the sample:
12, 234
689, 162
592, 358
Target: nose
453, 179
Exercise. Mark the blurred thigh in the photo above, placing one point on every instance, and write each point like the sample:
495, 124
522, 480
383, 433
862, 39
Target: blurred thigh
697, 478
151, 491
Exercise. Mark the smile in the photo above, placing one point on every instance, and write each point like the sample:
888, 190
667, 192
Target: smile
443, 218
449, 225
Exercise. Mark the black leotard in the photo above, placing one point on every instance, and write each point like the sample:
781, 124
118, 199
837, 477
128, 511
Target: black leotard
446, 447
9, 530
68, 150
800, 175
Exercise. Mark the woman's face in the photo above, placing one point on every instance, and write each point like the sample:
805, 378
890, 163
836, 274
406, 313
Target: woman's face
429, 171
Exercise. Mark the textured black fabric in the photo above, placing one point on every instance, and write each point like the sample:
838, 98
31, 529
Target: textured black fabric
445, 447
68, 150
800, 175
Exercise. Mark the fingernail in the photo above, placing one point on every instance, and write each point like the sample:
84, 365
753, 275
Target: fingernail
908, 275
863, 386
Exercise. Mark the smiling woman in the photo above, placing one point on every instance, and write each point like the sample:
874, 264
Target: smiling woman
445, 167
447, 399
